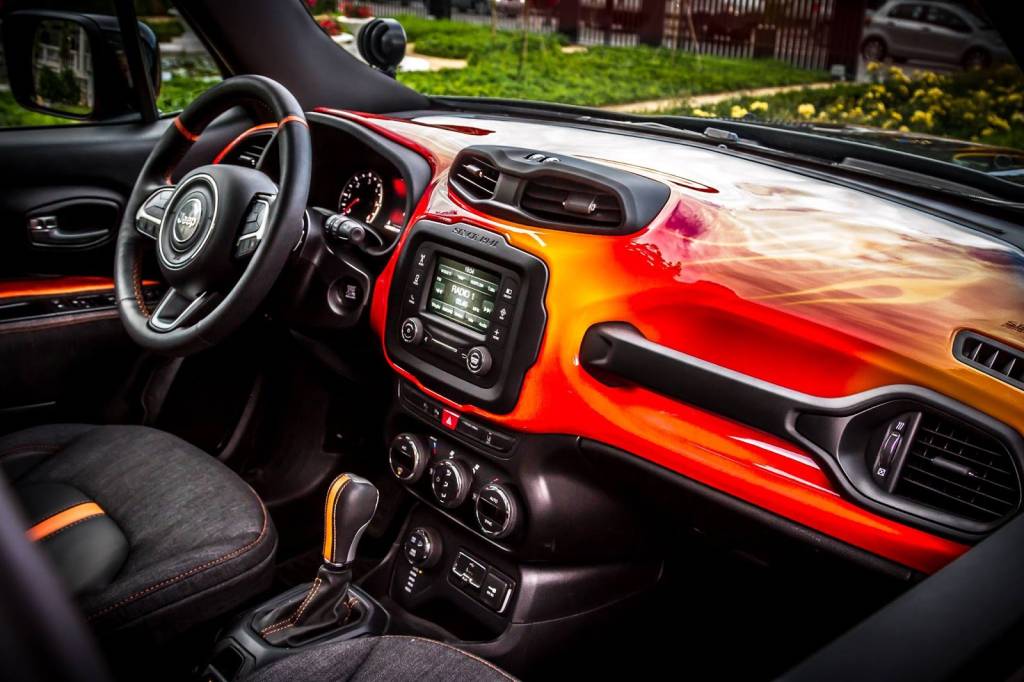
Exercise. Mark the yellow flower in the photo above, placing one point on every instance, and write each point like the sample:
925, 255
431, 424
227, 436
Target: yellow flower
1017, 117
1014, 97
934, 93
737, 111
986, 132
896, 116
759, 106
968, 115
856, 112
998, 122
873, 66
896, 73
881, 107
925, 117
918, 93
701, 113
904, 129
805, 110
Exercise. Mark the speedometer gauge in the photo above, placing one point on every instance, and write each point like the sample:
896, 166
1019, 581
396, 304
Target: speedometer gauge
362, 196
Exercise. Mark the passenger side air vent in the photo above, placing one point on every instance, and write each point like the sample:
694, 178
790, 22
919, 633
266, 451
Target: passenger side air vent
248, 151
565, 201
555, 191
991, 357
475, 177
958, 469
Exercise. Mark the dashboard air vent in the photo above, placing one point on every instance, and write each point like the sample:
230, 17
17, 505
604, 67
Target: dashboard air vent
991, 357
248, 152
959, 469
574, 203
476, 177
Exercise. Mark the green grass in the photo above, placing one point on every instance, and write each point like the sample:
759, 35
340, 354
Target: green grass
595, 77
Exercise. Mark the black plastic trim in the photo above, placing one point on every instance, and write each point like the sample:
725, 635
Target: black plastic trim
949, 626
958, 351
640, 199
617, 351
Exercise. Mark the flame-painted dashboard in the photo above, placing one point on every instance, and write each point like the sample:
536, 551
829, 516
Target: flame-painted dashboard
799, 345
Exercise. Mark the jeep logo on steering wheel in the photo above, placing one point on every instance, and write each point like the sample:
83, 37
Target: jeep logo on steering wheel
186, 222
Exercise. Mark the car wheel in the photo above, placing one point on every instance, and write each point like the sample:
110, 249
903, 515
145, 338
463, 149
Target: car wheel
873, 49
977, 58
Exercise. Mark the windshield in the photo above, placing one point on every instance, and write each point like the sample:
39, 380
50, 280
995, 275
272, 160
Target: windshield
929, 78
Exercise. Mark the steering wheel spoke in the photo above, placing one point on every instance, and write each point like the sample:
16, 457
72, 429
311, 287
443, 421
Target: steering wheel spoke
253, 226
177, 309
151, 212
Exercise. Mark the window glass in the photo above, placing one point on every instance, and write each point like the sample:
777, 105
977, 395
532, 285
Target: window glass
946, 19
907, 11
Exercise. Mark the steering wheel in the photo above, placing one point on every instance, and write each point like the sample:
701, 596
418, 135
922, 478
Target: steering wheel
222, 234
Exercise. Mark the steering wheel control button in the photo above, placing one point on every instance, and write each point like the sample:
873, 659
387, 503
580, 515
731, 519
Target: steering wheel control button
478, 360
423, 547
407, 457
450, 480
412, 331
497, 511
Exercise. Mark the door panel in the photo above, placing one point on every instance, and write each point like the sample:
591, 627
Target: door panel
63, 351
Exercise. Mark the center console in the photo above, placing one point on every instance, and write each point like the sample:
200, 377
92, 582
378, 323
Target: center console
466, 313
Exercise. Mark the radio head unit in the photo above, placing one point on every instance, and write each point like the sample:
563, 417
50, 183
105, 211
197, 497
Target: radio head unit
466, 313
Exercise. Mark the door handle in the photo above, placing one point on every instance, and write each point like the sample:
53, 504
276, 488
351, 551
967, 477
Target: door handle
45, 231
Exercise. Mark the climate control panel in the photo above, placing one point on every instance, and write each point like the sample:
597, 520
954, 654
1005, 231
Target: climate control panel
457, 480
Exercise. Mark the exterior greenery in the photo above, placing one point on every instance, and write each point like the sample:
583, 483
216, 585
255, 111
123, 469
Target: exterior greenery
981, 106
595, 76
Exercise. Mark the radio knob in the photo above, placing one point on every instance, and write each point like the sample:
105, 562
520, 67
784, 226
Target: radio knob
497, 511
407, 457
450, 481
478, 360
412, 330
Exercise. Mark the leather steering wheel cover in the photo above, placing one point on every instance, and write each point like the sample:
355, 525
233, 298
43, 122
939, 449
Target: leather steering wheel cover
283, 226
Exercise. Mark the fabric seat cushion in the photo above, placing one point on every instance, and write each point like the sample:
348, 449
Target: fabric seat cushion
382, 658
199, 540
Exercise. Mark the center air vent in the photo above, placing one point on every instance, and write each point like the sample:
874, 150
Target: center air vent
959, 469
476, 177
566, 201
555, 191
248, 151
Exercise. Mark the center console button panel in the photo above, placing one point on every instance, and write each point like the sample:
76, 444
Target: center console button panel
422, 547
450, 480
484, 583
494, 441
466, 313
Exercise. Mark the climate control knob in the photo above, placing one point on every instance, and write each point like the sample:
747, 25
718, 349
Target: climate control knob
407, 457
423, 547
497, 511
450, 480
412, 330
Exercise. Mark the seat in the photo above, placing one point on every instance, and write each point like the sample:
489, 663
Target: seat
381, 658
150, 534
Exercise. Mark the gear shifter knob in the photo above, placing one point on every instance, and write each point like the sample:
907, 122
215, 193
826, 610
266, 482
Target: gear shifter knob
351, 503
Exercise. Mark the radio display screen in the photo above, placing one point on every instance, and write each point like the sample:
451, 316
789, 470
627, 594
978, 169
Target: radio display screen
463, 294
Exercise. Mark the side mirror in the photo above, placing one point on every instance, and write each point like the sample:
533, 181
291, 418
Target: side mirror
73, 65
382, 44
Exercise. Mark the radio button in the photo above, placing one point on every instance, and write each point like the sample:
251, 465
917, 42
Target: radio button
497, 335
412, 330
509, 291
478, 360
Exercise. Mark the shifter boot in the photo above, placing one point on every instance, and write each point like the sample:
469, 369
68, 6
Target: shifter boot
324, 607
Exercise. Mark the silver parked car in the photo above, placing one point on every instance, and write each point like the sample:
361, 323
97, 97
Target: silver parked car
934, 32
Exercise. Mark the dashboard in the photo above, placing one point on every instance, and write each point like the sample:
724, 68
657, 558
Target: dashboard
848, 365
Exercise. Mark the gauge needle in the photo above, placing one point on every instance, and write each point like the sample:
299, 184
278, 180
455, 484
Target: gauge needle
351, 204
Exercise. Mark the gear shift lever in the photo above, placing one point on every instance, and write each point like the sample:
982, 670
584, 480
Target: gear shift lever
351, 503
